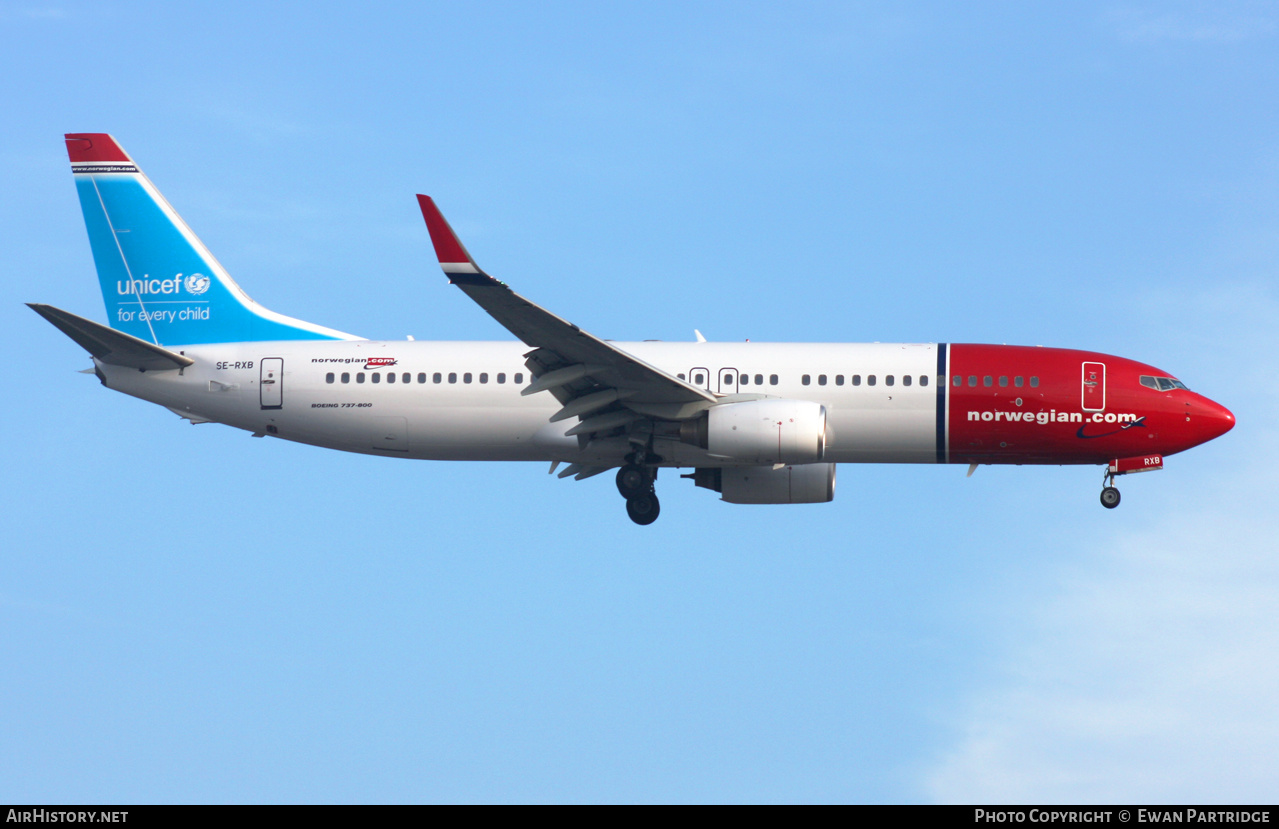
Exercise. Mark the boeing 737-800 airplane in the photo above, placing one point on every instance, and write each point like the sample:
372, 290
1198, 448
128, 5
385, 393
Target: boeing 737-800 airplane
759, 423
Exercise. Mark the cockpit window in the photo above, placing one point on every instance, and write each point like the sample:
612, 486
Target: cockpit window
1162, 383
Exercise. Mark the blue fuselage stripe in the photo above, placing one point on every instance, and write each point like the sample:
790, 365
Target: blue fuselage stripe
941, 402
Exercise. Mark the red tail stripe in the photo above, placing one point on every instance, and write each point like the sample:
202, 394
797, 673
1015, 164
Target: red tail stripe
94, 146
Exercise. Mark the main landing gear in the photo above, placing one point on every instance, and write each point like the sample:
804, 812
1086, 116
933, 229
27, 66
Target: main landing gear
635, 483
1109, 495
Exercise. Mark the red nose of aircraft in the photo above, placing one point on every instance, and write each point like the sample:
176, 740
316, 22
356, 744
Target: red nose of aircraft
1208, 419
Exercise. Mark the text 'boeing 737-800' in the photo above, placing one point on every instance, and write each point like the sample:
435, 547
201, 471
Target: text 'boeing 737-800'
759, 423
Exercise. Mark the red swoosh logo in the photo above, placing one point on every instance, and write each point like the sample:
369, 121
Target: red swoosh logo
1141, 421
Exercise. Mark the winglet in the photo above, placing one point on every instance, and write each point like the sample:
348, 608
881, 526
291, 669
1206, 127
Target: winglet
455, 261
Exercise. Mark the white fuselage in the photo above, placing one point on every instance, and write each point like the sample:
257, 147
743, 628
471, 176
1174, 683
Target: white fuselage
475, 411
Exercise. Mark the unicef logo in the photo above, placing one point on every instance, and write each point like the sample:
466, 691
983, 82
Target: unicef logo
197, 283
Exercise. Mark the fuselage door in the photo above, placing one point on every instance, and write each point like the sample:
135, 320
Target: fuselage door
1094, 385
728, 381
699, 377
271, 382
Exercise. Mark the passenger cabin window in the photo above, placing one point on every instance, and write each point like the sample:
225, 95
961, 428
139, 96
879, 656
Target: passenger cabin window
923, 379
390, 377
377, 377
806, 379
466, 378
759, 380
407, 378
484, 378
959, 381
346, 377
501, 377
870, 379
857, 379
1034, 382
699, 379
680, 375
745, 379
452, 376
519, 377
839, 379
421, 377
328, 378
1019, 381
905, 379
1003, 382
772, 379
821, 379
359, 378
437, 377
888, 380
972, 381
987, 381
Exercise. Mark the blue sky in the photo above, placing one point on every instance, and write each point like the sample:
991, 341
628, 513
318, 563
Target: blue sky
191, 615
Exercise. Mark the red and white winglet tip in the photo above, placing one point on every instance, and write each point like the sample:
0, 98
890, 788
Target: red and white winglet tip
95, 148
454, 259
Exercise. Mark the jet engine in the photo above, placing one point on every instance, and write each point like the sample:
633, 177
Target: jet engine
812, 483
761, 431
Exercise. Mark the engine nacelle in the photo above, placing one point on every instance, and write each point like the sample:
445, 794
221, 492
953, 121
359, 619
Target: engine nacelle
812, 483
761, 431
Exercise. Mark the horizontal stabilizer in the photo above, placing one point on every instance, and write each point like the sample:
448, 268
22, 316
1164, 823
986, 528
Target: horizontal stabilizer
110, 346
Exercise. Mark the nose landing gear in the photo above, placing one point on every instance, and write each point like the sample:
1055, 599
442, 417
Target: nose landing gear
635, 483
1109, 495
1125, 466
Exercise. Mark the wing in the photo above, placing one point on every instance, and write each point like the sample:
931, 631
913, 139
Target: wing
593, 379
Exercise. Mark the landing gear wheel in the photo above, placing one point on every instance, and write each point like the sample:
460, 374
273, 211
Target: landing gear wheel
643, 508
633, 481
1110, 497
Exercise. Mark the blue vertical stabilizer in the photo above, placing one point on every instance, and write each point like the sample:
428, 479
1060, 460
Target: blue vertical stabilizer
159, 282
